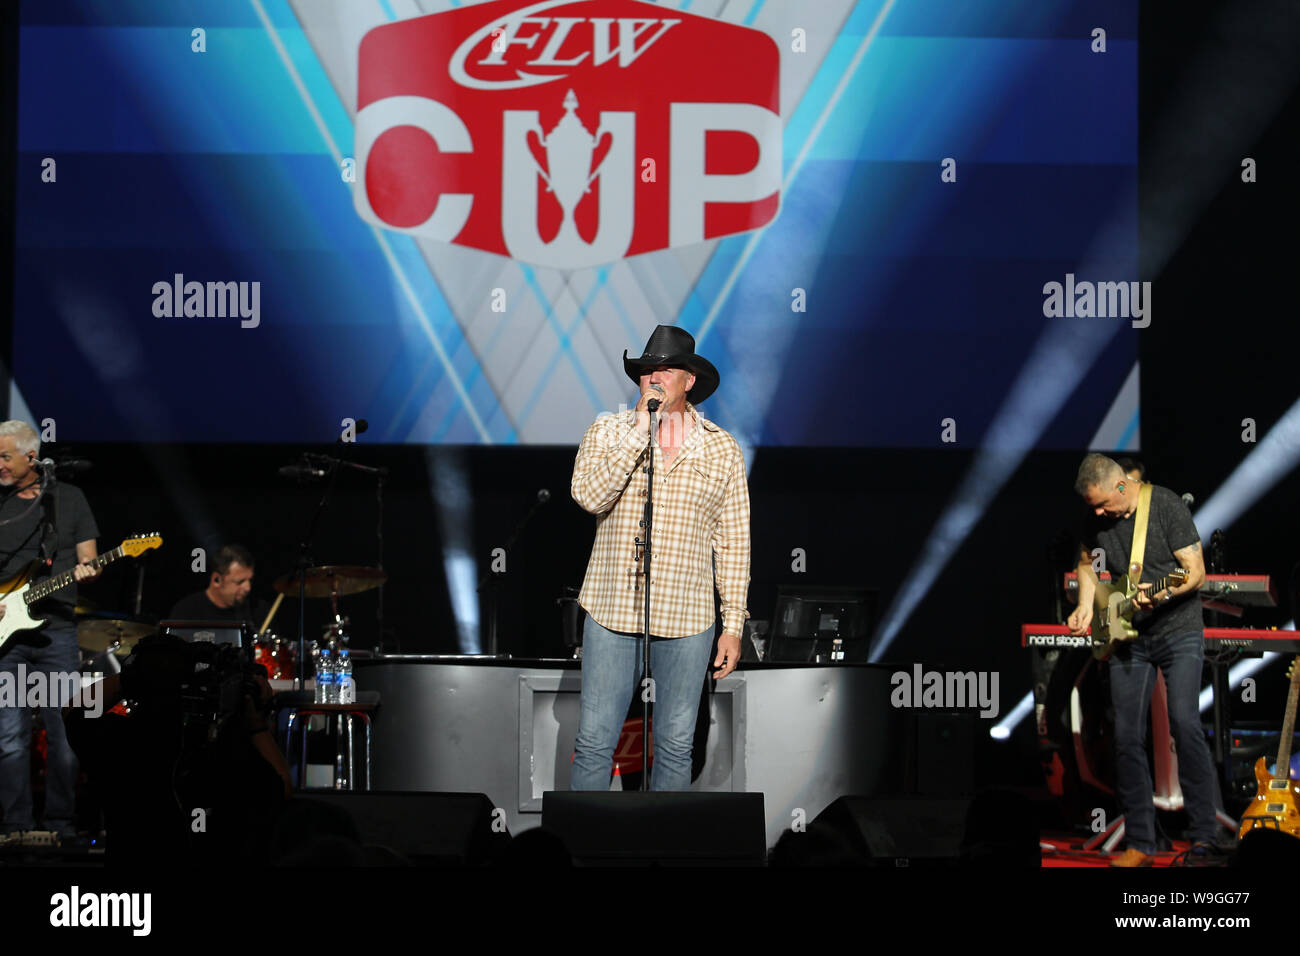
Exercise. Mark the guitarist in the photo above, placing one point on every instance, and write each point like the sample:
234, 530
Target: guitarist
1170, 637
58, 531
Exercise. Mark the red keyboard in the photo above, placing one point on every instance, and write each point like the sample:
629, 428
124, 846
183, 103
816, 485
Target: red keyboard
1247, 639
1255, 590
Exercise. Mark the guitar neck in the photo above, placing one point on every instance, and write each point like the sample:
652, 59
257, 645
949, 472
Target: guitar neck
1283, 768
60, 581
1156, 588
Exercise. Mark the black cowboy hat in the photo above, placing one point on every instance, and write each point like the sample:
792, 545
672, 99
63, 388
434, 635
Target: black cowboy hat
674, 347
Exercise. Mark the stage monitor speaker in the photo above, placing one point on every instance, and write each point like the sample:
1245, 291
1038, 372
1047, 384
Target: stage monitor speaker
668, 829
439, 829
900, 832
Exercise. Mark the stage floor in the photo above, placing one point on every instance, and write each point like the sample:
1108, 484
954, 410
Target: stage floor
1067, 850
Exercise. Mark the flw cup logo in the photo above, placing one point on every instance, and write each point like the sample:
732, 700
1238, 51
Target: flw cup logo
568, 133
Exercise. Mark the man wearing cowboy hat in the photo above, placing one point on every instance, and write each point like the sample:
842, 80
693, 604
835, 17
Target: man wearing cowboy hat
699, 539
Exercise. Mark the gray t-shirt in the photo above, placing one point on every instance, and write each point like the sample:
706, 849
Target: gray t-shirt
20, 539
1169, 529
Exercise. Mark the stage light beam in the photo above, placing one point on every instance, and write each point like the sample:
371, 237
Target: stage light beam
449, 488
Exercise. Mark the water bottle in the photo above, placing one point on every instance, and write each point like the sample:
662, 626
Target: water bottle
347, 687
324, 675
332, 685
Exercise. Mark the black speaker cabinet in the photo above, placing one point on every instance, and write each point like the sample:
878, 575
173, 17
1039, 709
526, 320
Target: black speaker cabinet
667, 829
432, 829
898, 831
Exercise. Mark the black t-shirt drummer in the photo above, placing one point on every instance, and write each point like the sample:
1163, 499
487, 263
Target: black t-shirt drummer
228, 596
199, 607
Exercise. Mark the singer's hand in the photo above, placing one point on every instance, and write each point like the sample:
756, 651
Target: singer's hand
642, 413
728, 655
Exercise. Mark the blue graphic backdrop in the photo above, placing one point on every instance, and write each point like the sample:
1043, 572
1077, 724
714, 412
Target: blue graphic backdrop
923, 298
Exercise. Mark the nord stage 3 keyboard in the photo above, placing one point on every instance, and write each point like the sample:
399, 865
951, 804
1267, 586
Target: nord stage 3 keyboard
1246, 639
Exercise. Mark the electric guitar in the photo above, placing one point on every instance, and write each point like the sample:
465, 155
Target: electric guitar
20, 592
1275, 801
1114, 609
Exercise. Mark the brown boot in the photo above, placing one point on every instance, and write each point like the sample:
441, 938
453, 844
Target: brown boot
1132, 857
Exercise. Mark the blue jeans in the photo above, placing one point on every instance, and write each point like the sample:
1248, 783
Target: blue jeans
1132, 680
611, 674
51, 649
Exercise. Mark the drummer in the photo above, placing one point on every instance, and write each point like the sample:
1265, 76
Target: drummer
226, 597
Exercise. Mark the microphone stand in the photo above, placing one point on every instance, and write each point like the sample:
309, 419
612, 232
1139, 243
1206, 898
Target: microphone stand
491, 580
305, 562
50, 519
1216, 561
334, 464
379, 559
652, 407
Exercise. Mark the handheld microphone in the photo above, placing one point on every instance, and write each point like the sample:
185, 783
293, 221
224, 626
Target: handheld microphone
1188, 499
653, 404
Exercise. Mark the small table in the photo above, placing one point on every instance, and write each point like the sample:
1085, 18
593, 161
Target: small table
303, 704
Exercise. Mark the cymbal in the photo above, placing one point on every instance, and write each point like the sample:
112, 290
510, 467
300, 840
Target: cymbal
333, 579
98, 634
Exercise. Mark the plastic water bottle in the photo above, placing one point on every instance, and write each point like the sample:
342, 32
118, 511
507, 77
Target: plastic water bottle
332, 685
347, 687
324, 675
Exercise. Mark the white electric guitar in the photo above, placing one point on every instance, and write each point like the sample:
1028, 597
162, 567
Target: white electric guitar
20, 592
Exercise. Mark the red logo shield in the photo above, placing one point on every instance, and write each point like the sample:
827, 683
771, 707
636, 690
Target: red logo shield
568, 133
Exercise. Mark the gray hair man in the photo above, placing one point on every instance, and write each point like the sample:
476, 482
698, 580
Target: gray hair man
1171, 638
44, 531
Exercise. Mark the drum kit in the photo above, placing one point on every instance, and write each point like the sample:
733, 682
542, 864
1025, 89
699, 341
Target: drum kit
280, 656
106, 637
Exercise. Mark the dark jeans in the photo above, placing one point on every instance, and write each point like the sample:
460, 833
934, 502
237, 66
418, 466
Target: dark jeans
1132, 680
51, 649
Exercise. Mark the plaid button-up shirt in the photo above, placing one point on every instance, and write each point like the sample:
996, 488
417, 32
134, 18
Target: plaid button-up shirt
701, 525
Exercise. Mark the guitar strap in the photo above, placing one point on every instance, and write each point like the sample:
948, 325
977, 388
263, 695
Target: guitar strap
1138, 551
49, 528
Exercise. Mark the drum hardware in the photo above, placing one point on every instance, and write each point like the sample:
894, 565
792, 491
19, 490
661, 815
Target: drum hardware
103, 631
332, 581
335, 633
